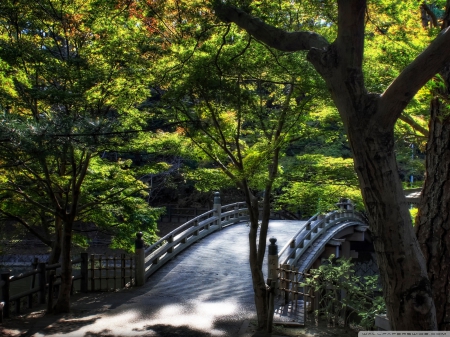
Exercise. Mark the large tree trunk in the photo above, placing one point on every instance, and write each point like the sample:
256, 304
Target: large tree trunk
406, 288
433, 220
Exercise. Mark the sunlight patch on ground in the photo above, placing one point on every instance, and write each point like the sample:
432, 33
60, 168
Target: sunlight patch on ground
76, 327
196, 315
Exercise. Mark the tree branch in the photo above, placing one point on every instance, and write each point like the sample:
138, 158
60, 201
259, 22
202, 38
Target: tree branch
413, 77
411, 122
28, 227
350, 39
272, 36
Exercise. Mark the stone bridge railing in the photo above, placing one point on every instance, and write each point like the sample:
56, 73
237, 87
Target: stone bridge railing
150, 259
323, 226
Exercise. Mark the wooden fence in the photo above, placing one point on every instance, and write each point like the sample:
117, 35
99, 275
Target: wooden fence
96, 273
288, 285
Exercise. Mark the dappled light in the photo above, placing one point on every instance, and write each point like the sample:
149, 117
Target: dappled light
195, 316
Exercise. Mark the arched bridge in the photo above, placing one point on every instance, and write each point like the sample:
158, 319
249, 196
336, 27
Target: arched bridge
303, 242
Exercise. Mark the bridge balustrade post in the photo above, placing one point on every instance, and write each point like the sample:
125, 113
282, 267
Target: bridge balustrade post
346, 205
273, 262
217, 206
139, 268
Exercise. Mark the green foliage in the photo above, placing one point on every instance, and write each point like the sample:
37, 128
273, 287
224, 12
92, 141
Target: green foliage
118, 203
317, 182
361, 298
413, 212
72, 76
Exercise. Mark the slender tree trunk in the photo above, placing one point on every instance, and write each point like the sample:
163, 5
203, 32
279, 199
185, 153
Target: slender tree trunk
258, 282
56, 246
63, 303
433, 220
70, 213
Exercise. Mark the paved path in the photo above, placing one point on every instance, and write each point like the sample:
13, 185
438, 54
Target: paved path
204, 291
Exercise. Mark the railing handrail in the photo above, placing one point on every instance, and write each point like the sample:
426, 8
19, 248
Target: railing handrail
176, 231
193, 230
310, 220
317, 231
186, 226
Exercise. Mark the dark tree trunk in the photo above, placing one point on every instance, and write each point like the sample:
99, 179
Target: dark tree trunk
406, 287
56, 245
63, 303
68, 216
258, 282
433, 220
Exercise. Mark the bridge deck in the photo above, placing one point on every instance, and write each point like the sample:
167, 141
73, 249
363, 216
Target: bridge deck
215, 272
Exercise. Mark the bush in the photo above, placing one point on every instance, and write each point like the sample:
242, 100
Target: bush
361, 296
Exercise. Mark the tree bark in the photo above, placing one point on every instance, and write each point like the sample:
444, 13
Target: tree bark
68, 216
433, 220
258, 282
56, 245
406, 288
63, 303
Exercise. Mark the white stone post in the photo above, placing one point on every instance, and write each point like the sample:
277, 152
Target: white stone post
217, 206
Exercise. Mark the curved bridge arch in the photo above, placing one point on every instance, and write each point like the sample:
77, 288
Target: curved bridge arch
310, 242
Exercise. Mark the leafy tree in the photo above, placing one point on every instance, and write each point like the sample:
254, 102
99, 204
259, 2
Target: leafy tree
369, 120
72, 75
361, 293
239, 105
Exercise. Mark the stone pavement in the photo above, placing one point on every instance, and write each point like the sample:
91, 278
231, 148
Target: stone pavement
204, 291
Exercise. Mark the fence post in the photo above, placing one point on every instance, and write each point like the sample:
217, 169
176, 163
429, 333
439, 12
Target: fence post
287, 284
272, 262
51, 282
5, 293
139, 269
218, 209
42, 283
84, 273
